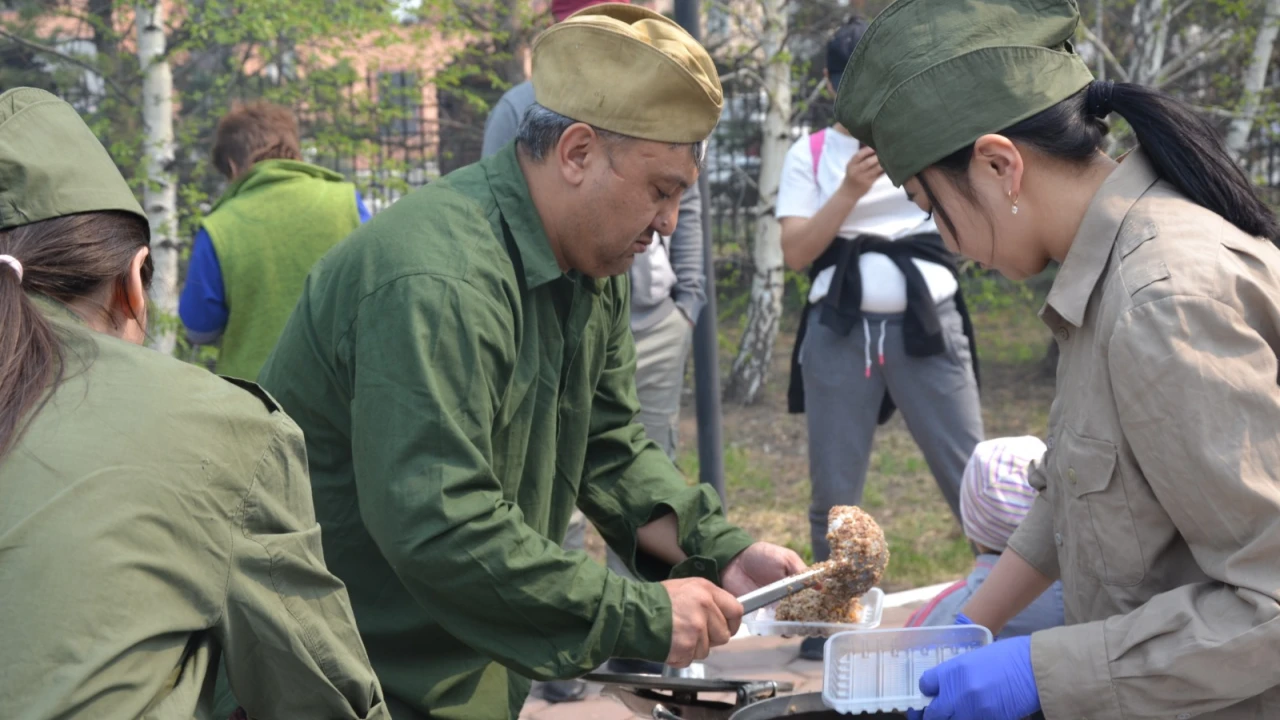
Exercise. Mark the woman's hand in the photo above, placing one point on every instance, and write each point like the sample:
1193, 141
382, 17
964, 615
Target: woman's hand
862, 172
992, 683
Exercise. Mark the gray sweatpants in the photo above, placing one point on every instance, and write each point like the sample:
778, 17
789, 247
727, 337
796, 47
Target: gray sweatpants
661, 354
844, 382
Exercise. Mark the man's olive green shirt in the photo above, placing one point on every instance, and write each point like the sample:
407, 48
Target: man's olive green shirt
460, 394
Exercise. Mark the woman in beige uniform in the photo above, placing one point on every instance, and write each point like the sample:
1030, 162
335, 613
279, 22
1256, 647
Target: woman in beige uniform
153, 516
1159, 503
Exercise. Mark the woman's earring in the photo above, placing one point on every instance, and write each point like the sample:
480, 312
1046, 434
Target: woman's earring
1015, 203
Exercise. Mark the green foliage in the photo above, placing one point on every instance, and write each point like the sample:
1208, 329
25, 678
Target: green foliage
804, 550
798, 285
311, 55
988, 291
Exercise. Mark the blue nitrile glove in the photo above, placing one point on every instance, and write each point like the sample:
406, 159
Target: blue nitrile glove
961, 619
992, 683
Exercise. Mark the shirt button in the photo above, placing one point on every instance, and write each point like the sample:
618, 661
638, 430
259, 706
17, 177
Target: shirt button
1184, 716
1071, 474
1057, 538
699, 566
1063, 335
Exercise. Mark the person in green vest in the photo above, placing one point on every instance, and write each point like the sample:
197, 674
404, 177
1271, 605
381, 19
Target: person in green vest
155, 517
464, 370
250, 256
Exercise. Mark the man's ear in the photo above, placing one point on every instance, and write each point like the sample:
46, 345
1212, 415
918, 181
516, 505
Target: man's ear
574, 150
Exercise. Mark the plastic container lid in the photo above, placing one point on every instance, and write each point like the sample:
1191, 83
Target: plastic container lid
762, 622
879, 670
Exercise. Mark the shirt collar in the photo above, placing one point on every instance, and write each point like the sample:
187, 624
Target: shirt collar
1091, 248
56, 311
511, 191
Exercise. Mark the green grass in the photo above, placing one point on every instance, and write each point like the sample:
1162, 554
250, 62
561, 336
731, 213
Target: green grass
1005, 320
912, 566
743, 478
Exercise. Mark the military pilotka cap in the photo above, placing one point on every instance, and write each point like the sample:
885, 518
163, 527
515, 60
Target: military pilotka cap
52, 165
932, 76
628, 70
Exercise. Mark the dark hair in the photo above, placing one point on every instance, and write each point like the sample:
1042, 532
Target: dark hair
1184, 148
65, 259
840, 47
254, 132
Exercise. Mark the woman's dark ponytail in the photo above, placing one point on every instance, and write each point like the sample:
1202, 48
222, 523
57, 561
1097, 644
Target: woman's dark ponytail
1188, 152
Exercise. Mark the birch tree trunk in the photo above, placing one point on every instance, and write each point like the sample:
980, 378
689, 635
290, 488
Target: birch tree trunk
1255, 78
751, 366
160, 196
1151, 20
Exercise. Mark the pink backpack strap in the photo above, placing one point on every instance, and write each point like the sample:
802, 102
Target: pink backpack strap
919, 616
815, 148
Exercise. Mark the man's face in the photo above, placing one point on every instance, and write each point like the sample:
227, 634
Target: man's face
630, 193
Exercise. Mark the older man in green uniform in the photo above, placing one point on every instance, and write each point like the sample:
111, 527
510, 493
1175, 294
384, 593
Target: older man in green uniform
463, 368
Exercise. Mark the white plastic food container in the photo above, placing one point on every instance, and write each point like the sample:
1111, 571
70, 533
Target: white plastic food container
762, 622
879, 670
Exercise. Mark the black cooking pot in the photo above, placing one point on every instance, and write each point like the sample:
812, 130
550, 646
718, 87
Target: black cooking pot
806, 706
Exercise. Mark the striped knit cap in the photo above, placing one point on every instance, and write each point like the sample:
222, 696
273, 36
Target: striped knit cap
994, 494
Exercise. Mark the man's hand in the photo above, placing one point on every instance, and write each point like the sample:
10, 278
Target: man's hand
862, 172
702, 617
759, 565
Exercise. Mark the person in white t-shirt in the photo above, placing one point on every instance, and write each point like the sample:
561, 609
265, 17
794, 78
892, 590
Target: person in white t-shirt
885, 327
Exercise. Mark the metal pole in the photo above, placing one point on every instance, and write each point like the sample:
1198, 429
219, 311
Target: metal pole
706, 340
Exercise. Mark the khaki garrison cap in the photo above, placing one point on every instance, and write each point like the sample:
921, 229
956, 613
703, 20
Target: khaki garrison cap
52, 165
628, 70
932, 76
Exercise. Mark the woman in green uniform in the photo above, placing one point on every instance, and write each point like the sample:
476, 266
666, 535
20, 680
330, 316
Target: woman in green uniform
154, 516
1159, 503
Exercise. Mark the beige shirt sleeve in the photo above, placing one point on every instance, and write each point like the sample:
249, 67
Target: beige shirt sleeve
1199, 405
288, 634
1034, 541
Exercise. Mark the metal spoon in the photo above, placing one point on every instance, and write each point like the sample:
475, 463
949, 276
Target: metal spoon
774, 592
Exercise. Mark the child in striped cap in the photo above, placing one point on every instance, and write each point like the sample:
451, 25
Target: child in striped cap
994, 498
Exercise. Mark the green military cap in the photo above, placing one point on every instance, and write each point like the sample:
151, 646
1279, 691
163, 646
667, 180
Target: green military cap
628, 70
51, 164
932, 76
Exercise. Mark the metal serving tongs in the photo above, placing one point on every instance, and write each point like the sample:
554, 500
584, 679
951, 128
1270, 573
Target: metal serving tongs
774, 592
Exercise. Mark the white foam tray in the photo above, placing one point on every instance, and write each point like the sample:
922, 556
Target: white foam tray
879, 670
763, 622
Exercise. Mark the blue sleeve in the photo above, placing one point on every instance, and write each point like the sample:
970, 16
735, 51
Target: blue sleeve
360, 208
946, 608
203, 305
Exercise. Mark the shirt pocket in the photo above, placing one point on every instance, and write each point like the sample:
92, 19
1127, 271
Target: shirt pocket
1098, 516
